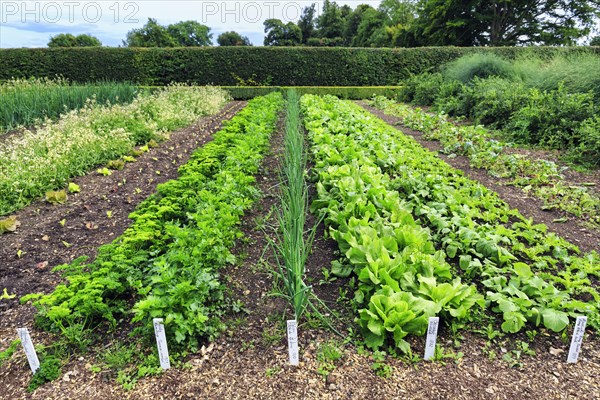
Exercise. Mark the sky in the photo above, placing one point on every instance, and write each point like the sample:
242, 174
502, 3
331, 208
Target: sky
32, 23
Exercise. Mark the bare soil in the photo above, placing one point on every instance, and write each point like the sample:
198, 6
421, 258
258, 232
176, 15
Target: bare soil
250, 359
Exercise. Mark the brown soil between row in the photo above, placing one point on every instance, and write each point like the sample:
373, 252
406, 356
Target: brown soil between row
250, 360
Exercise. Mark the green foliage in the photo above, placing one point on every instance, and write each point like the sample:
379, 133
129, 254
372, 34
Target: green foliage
421, 89
353, 92
25, 102
6, 355
9, 224
37, 161
180, 34
280, 34
169, 258
232, 38
588, 151
50, 369
190, 34
407, 223
402, 280
296, 66
479, 65
551, 118
73, 188
577, 72
68, 40
307, 22
56, 197
291, 247
540, 177
115, 164
475, 23
534, 100
379, 365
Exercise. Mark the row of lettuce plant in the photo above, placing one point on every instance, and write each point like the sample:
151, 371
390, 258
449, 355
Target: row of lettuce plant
166, 264
542, 178
423, 240
46, 157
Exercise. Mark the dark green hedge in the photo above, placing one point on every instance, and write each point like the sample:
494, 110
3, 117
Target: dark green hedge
277, 66
343, 92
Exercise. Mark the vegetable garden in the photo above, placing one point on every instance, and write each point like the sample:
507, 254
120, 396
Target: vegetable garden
358, 220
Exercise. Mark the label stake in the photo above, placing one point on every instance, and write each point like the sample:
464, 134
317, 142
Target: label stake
34, 362
161, 343
292, 334
432, 330
577, 339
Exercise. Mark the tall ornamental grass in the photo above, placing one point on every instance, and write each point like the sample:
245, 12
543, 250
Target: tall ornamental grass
27, 102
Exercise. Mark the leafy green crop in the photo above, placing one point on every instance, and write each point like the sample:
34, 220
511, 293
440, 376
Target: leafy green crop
169, 258
407, 221
540, 177
393, 257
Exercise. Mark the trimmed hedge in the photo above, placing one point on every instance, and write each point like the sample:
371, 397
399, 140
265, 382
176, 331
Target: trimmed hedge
343, 92
277, 66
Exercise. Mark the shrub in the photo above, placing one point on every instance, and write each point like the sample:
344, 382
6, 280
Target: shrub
588, 151
551, 118
479, 65
495, 99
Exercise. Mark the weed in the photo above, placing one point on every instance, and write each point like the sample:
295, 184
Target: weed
272, 371
50, 369
380, 367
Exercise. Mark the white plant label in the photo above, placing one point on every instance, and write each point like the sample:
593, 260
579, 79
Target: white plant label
432, 330
32, 357
292, 334
577, 339
161, 343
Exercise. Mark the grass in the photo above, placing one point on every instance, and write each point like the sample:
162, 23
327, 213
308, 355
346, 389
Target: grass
27, 102
579, 73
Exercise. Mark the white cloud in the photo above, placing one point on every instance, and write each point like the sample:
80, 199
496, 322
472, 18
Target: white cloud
31, 23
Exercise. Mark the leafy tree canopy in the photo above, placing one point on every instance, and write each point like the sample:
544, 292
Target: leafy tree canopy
184, 34
280, 34
232, 38
68, 40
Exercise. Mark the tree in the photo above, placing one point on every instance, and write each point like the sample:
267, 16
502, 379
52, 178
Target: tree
353, 21
68, 40
548, 22
504, 22
371, 30
232, 38
595, 41
183, 34
150, 35
449, 22
331, 22
280, 34
306, 23
190, 33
